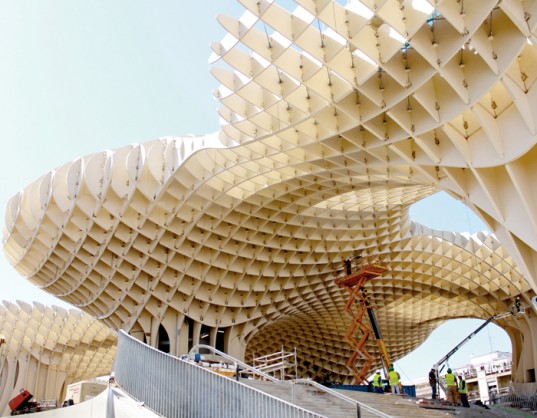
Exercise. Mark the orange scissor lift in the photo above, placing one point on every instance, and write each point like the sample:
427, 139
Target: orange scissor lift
353, 279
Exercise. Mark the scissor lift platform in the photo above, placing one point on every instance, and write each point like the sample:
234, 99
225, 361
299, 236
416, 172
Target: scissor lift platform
353, 282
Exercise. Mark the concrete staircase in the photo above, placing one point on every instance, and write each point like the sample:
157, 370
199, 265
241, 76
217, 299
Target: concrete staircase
394, 405
327, 405
402, 406
306, 397
388, 405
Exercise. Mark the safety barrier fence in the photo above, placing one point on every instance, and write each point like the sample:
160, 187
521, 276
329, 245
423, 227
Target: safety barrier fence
528, 403
178, 389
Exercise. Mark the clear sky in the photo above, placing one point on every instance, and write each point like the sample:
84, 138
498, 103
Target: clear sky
78, 77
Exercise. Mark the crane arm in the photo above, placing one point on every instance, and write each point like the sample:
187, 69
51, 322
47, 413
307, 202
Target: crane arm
384, 357
516, 309
468, 338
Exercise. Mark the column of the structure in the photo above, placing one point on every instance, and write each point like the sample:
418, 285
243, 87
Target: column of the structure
532, 322
523, 334
155, 324
234, 344
169, 323
182, 341
40, 377
196, 333
63, 388
54, 384
212, 336
528, 355
516, 344
175, 346
8, 385
31, 376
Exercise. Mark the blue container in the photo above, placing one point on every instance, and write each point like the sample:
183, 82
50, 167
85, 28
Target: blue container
408, 390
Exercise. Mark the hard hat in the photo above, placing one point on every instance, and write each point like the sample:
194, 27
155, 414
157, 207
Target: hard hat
391, 368
449, 370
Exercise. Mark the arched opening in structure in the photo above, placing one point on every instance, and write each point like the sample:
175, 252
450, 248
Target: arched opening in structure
487, 356
442, 212
190, 324
221, 339
205, 338
163, 340
205, 335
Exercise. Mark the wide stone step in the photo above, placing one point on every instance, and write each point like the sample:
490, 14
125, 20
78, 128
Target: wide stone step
306, 397
396, 406
310, 398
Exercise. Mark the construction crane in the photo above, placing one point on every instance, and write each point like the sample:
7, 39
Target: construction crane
517, 308
353, 279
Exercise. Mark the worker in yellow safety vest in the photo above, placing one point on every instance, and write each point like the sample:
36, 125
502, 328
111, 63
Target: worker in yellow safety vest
451, 383
377, 383
463, 392
394, 377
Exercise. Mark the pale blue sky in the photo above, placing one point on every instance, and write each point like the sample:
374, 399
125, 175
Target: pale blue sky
79, 76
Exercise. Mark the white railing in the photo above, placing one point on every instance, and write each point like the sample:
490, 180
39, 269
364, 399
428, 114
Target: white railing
306, 382
177, 389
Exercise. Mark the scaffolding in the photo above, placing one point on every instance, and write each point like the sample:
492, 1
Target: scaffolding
281, 365
352, 278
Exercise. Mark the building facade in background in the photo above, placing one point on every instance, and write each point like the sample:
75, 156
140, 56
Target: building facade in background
486, 377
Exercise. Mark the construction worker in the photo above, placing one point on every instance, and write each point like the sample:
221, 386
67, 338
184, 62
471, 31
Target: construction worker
377, 383
451, 383
463, 391
433, 382
348, 266
394, 377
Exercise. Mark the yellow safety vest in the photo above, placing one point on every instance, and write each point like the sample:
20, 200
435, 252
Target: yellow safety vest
394, 378
450, 379
462, 389
377, 381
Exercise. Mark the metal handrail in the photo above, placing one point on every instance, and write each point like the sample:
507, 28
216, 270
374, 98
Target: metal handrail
329, 391
233, 359
178, 389
343, 397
